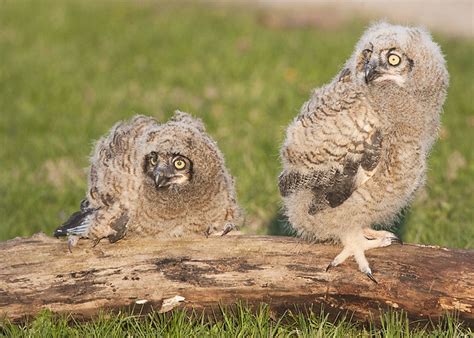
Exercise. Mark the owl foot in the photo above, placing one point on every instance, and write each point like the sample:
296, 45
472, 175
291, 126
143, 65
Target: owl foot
359, 257
355, 246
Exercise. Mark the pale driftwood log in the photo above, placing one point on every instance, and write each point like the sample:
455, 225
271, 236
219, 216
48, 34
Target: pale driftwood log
38, 273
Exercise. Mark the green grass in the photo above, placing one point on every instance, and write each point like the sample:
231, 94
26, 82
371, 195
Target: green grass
236, 322
74, 68
70, 69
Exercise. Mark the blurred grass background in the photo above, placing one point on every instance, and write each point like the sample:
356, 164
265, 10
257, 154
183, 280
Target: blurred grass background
70, 69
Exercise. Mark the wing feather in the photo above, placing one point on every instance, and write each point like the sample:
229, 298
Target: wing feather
78, 224
332, 147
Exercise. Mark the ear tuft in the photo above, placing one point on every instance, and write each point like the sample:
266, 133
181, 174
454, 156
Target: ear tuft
186, 118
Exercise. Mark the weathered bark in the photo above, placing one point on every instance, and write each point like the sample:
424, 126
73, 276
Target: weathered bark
39, 272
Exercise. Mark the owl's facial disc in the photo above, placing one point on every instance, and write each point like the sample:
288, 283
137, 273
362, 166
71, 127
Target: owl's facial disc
384, 65
168, 170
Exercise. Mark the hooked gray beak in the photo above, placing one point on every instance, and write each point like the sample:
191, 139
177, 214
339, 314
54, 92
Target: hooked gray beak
163, 176
370, 71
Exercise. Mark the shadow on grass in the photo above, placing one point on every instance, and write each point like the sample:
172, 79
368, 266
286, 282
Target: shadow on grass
279, 226
399, 225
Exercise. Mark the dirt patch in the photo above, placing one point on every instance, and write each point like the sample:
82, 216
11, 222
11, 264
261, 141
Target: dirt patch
201, 272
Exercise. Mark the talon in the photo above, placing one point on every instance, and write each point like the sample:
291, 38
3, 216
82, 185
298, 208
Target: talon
369, 274
228, 228
397, 240
329, 267
95, 242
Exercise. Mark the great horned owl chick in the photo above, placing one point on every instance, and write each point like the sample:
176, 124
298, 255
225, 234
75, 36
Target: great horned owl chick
357, 151
152, 179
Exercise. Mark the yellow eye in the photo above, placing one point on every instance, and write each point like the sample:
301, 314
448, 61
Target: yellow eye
179, 164
153, 158
394, 59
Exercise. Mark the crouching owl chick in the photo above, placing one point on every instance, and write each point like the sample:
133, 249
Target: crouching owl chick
357, 151
151, 179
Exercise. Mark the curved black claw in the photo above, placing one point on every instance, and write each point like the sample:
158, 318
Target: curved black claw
95, 242
397, 240
369, 274
228, 228
329, 267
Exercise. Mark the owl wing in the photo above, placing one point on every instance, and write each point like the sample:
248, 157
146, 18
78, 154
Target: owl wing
335, 144
101, 214
77, 224
110, 222
114, 162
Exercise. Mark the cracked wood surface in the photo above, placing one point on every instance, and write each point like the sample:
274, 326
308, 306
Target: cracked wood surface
287, 273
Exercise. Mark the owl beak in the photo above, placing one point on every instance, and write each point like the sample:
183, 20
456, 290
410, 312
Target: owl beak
163, 176
370, 72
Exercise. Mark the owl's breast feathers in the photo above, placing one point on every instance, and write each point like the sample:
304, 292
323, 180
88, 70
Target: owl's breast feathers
332, 148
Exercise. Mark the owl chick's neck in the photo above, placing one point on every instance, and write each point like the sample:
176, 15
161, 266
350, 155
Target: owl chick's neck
396, 104
400, 109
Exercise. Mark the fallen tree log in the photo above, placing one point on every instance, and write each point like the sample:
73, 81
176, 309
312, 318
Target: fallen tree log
286, 273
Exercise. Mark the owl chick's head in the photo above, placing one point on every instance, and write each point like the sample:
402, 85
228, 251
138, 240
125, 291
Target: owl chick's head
392, 55
167, 169
179, 156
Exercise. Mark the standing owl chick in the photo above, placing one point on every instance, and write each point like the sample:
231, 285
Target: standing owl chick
356, 153
151, 179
